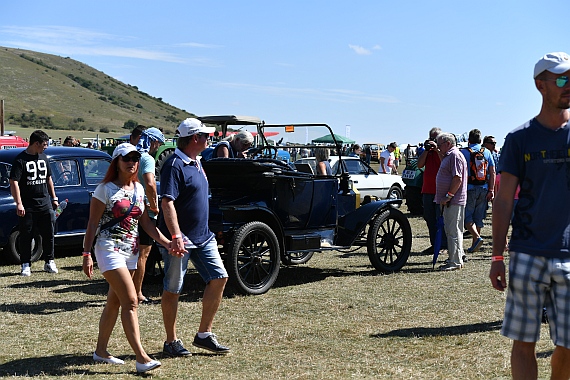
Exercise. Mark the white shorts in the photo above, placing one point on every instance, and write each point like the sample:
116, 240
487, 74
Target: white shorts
108, 258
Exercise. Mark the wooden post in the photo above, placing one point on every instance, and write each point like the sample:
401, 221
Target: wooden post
1, 117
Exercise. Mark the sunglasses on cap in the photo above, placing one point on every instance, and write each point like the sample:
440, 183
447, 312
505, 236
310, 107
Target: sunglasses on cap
130, 158
561, 81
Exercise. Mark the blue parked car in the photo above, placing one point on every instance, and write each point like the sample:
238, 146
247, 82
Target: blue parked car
76, 172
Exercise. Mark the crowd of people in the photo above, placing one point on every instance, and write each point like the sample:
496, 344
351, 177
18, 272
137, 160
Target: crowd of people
458, 184
122, 227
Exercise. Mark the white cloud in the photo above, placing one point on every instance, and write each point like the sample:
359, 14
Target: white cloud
360, 50
197, 45
334, 95
70, 41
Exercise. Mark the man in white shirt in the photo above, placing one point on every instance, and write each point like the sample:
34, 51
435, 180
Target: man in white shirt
387, 159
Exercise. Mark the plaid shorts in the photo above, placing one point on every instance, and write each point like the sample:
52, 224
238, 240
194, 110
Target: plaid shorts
536, 282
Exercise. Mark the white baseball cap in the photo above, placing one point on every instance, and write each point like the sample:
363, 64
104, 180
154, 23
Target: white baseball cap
191, 126
124, 149
556, 63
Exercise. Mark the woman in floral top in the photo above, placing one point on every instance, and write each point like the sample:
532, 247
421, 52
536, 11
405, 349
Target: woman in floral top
117, 251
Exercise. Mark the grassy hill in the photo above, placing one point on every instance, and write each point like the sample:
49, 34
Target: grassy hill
44, 91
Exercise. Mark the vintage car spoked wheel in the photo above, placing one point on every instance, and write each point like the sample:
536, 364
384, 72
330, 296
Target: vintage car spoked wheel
254, 258
296, 258
389, 241
14, 252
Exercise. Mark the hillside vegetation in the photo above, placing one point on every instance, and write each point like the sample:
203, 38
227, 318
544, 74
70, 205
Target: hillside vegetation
44, 91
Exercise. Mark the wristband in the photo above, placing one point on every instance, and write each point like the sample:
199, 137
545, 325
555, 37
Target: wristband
86, 254
496, 258
55, 199
177, 236
449, 195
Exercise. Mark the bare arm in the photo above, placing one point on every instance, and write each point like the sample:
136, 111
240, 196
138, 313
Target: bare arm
321, 168
223, 151
171, 220
96, 209
150, 191
51, 191
382, 165
422, 159
15, 190
491, 183
502, 211
453, 188
152, 231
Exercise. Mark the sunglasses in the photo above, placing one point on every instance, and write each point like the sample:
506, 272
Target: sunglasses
130, 158
491, 142
560, 81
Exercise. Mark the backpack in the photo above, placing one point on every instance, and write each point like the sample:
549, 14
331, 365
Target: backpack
477, 167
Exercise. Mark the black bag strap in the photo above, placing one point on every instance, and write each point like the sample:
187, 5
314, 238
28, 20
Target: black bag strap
114, 221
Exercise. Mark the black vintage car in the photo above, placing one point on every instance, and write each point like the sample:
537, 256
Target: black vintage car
265, 212
76, 172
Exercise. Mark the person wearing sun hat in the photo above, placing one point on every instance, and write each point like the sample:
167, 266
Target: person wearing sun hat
184, 216
116, 210
536, 157
149, 140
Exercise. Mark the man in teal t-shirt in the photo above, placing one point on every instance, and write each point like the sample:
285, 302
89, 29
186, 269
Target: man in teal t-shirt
149, 142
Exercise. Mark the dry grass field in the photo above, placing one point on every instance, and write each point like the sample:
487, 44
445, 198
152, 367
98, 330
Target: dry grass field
332, 318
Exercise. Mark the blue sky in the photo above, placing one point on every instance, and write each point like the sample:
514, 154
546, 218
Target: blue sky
389, 70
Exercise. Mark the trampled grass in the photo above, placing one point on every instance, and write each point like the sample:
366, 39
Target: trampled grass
332, 318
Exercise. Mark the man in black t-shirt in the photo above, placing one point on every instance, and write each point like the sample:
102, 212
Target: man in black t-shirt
31, 187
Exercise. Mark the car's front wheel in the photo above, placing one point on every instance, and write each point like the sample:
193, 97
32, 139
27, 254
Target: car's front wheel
395, 192
254, 258
13, 254
389, 241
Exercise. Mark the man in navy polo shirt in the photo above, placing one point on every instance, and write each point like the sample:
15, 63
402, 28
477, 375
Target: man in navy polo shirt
184, 194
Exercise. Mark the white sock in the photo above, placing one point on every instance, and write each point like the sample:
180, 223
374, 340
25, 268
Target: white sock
203, 335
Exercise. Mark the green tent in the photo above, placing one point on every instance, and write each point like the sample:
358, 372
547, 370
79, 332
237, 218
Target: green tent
329, 139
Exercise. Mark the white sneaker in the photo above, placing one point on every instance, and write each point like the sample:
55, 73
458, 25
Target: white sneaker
26, 270
50, 267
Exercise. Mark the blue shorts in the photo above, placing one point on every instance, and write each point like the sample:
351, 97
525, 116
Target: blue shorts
476, 206
206, 260
536, 282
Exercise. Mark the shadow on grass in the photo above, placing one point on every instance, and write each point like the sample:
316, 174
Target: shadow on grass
416, 332
56, 365
46, 308
91, 287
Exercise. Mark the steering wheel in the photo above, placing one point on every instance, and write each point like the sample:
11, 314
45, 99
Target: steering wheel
266, 151
63, 178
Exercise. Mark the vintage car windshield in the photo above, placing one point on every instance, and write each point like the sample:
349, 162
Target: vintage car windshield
65, 172
95, 170
5, 174
354, 167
